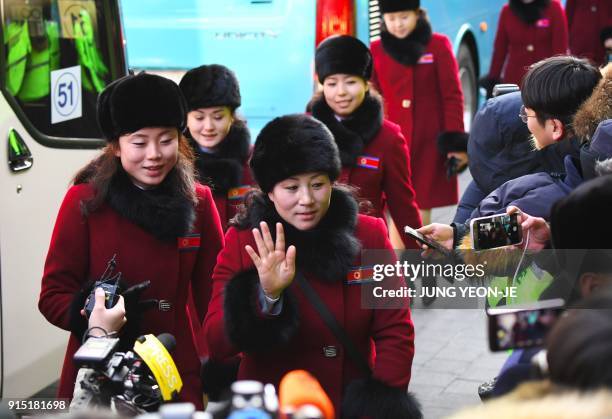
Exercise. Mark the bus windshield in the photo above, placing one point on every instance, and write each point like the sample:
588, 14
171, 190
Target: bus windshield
58, 55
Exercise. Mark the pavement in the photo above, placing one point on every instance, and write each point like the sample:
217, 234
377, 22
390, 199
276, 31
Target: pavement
452, 356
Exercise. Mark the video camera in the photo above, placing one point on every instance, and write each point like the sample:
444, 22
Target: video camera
129, 383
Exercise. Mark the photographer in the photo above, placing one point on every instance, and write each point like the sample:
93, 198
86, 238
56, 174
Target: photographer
586, 264
554, 90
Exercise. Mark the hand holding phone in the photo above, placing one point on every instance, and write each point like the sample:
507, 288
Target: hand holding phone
432, 244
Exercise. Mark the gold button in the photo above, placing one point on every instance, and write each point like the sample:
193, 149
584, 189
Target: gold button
406, 103
530, 48
593, 9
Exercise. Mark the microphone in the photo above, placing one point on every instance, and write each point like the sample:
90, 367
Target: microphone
129, 382
301, 396
155, 352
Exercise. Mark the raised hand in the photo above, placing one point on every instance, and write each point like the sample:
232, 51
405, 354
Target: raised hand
275, 267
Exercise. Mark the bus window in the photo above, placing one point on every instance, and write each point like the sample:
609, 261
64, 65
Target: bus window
58, 55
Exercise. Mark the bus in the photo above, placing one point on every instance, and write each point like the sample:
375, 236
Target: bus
270, 44
55, 57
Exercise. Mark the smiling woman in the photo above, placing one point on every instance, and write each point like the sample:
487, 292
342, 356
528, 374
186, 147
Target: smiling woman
138, 201
148, 155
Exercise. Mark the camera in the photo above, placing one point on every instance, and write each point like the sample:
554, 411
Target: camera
130, 382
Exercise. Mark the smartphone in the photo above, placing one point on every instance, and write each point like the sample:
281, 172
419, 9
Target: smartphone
496, 231
504, 88
432, 244
522, 328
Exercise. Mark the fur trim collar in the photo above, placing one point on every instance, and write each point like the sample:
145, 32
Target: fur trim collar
529, 13
328, 250
163, 212
407, 51
355, 132
223, 169
597, 108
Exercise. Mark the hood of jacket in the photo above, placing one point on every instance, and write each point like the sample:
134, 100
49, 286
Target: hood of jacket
596, 108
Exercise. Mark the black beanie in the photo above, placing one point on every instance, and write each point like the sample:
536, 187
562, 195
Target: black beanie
391, 6
343, 54
138, 101
291, 145
210, 85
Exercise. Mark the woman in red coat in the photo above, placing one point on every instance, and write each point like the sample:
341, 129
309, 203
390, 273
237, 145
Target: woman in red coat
373, 152
528, 31
590, 24
139, 203
259, 307
417, 75
219, 138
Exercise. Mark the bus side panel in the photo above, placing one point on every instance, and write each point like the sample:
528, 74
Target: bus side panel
269, 46
32, 348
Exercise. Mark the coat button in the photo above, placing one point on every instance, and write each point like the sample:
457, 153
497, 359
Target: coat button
530, 48
406, 103
593, 9
330, 351
164, 305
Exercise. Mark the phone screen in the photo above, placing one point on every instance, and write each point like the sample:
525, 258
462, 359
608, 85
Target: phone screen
521, 329
496, 231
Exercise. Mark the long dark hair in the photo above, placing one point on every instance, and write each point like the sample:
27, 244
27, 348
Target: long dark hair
100, 171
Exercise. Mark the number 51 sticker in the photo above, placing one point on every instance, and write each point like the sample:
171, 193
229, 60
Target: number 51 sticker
66, 94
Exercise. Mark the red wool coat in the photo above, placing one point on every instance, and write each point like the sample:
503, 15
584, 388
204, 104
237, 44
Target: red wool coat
425, 100
228, 203
518, 45
383, 176
384, 336
585, 20
80, 249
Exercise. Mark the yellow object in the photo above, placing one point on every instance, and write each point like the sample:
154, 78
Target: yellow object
161, 364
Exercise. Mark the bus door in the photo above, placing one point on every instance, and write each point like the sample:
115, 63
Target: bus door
55, 57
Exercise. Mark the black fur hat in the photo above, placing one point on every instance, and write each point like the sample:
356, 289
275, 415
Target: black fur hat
138, 101
290, 145
343, 54
390, 6
210, 85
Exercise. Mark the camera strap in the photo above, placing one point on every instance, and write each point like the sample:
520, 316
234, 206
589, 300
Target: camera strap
332, 323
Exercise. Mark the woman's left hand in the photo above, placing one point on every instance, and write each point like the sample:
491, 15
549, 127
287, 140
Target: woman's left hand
276, 269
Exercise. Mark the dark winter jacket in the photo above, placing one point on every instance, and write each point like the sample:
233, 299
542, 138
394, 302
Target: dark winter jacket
500, 148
